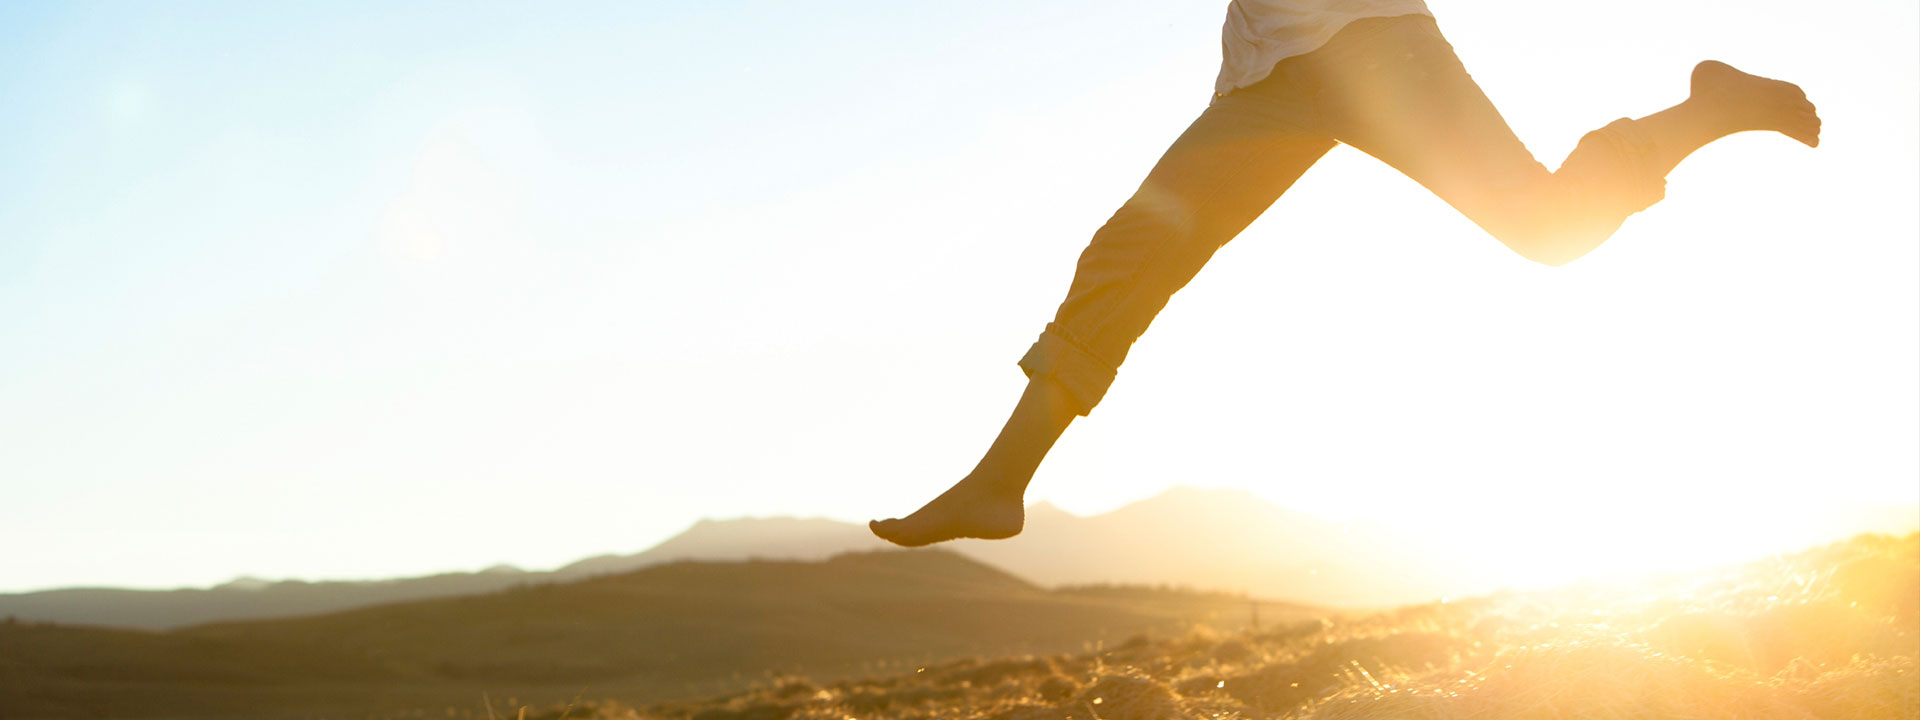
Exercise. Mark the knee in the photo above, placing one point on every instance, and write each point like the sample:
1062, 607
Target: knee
1553, 226
1555, 243
1544, 252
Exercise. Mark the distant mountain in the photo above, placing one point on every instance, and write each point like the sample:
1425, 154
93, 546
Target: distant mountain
252, 598
1201, 538
670, 630
775, 538
242, 599
1217, 539
1213, 539
1210, 539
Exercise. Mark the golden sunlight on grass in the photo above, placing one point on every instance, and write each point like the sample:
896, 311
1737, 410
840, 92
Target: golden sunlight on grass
1829, 633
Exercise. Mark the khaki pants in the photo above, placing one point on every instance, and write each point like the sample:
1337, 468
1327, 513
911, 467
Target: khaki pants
1390, 87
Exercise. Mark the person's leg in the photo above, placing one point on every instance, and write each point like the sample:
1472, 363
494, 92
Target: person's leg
989, 503
1225, 170
1723, 101
1397, 91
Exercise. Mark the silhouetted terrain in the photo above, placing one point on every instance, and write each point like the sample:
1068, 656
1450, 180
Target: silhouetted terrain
242, 599
1831, 633
1828, 634
247, 599
1224, 539
671, 630
1210, 539
777, 538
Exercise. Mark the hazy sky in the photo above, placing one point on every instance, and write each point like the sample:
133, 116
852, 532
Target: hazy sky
335, 290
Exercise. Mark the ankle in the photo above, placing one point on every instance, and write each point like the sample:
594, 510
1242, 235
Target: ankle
997, 483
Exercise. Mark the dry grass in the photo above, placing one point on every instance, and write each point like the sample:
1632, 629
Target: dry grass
1832, 633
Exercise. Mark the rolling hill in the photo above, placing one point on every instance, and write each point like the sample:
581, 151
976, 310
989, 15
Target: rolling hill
1831, 633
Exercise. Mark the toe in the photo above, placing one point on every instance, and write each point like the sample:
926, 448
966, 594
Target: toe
892, 530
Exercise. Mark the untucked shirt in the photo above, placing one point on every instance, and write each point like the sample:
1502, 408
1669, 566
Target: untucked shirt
1261, 33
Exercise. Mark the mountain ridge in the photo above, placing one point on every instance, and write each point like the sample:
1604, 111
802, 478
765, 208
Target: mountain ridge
1204, 538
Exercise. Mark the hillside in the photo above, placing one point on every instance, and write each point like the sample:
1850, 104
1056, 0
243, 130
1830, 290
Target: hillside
1827, 634
671, 630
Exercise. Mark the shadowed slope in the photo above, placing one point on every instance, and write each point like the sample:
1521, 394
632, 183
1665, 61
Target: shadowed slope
1830, 633
677, 629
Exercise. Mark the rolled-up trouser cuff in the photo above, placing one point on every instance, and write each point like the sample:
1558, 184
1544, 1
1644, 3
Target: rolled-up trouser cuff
1084, 376
1620, 155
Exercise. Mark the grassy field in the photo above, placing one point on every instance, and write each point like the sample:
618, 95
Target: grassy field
1831, 633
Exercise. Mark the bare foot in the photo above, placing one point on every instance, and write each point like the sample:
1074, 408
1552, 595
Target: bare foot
1751, 102
969, 509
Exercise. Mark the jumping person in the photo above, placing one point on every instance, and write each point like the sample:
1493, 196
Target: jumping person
1300, 76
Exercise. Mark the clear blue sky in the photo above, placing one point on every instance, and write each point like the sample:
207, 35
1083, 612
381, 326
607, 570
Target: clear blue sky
330, 290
